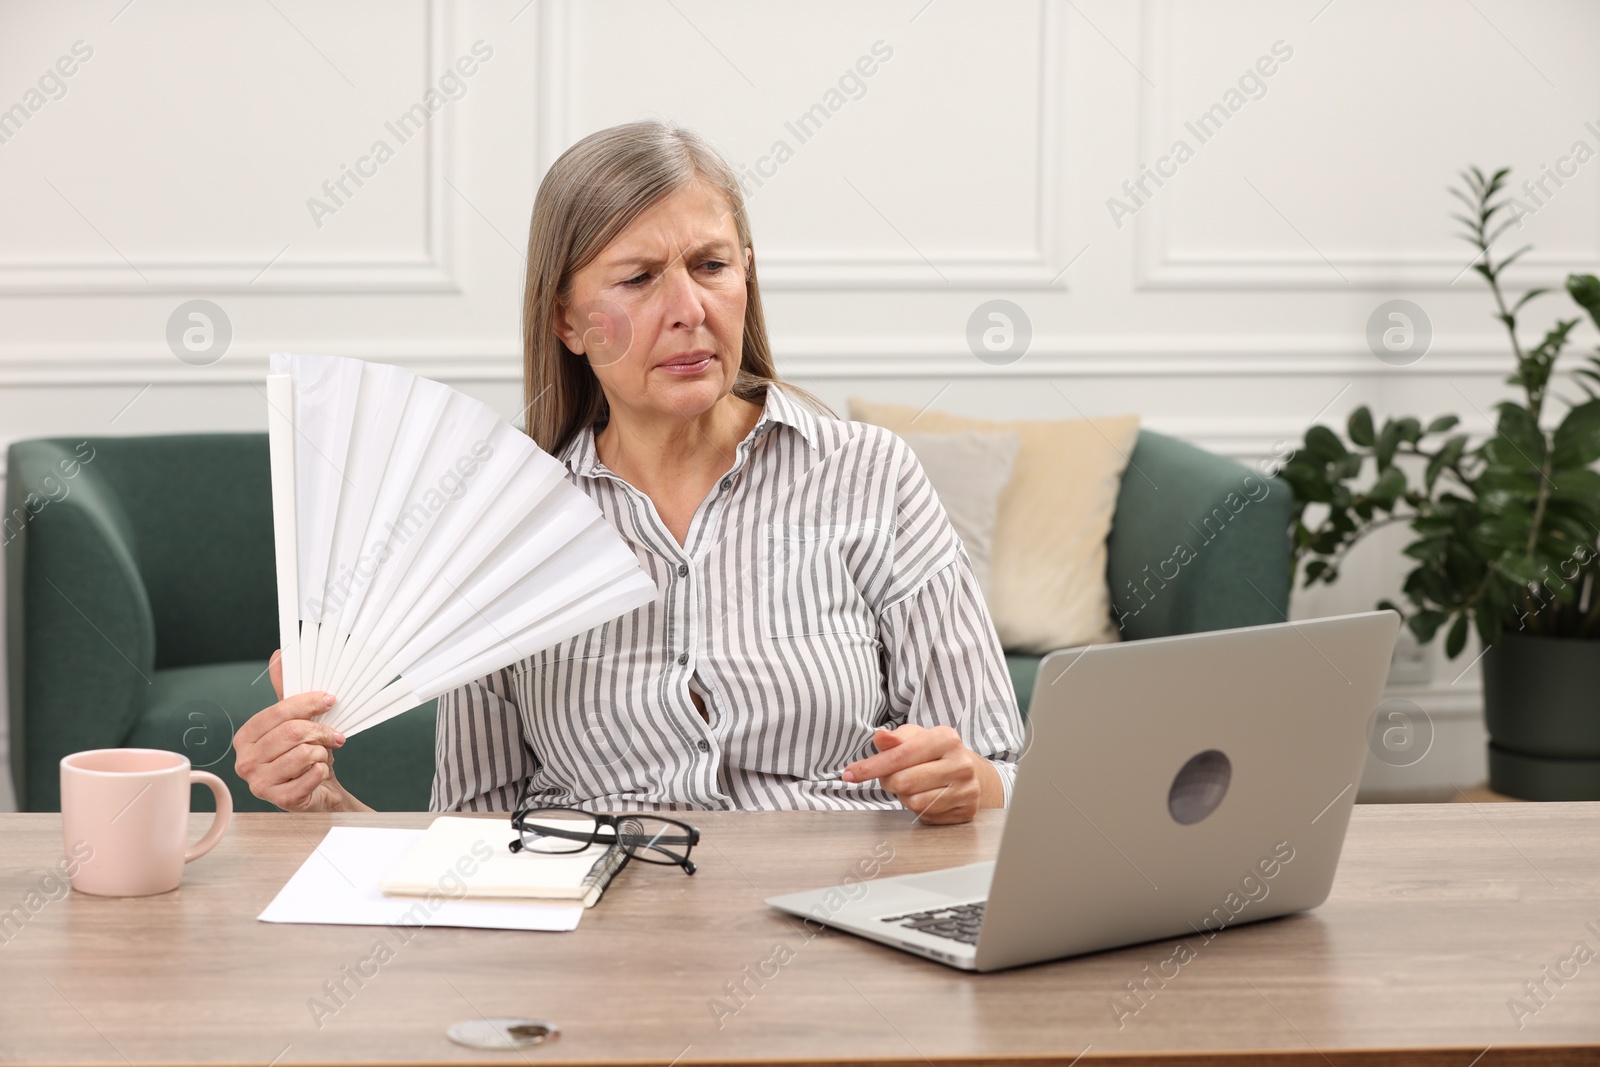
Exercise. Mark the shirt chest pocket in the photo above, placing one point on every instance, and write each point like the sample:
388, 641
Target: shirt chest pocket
808, 586
591, 644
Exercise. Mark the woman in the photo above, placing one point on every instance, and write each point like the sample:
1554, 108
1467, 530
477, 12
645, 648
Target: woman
818, 641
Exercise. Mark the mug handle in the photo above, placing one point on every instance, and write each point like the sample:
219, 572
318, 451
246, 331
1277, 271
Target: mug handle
219, 824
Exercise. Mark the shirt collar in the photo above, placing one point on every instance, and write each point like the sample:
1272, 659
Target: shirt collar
581, 458
785, 409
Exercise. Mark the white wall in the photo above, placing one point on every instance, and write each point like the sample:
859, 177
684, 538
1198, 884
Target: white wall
975, 162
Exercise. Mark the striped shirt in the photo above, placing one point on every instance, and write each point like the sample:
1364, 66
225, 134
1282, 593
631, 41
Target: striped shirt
821, 592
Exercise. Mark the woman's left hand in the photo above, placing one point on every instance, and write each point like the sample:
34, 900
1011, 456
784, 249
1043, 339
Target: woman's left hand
932, 772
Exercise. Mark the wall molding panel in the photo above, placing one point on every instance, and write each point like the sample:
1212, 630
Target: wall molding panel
1037, 269
1162, 265
258, 271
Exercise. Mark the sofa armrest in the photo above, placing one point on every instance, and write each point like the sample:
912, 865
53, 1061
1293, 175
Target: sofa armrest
80, 649
1198, 542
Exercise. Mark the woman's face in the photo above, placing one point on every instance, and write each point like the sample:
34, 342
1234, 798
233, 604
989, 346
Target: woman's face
659, 314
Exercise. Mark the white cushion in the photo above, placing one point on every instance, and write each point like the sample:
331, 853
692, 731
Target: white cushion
1047, 575
969, 471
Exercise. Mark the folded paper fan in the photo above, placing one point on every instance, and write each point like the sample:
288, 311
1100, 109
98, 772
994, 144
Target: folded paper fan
422, 542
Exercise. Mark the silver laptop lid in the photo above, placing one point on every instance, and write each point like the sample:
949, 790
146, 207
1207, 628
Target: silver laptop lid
1182, 785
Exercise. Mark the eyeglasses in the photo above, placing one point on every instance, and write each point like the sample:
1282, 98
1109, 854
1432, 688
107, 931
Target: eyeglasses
647, 838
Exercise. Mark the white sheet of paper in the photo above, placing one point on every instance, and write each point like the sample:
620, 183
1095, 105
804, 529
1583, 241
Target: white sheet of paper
338, 885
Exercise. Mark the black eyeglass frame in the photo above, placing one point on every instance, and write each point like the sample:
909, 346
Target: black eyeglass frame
634, 844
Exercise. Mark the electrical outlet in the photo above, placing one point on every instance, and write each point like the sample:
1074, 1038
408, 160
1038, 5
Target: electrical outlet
1411, 665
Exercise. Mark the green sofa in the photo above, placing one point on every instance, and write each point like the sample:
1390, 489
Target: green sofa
140, 602
141, 608
1198, 542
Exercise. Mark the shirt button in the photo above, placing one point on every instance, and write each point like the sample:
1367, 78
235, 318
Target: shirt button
703, 746
683, 569
726, 482
683, 657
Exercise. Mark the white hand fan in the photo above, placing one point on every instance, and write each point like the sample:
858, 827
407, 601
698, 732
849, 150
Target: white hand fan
422, 542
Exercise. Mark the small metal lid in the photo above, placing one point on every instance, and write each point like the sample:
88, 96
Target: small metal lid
502, 1034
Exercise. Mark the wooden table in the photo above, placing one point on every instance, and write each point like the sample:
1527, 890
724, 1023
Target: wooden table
1439, 915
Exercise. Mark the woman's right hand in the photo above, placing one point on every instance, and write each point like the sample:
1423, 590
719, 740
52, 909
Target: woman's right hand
286, 756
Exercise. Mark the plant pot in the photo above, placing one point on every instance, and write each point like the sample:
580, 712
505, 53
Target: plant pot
1541, 704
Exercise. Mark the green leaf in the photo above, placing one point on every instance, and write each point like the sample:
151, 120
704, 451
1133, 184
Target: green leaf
1585, 289
1466, 568
1578, 486
1308, 482
1388, 442
1489, 541
1562, 589
1424, 624
1517, 430
1387, 489
1517, 481
1360, 427
1577, 439
1494, 235
1512, 258
1433, 525
1410, 430
1448, 455
1502, 532
1323, 444
1443, 423
1326, 542
1427, 550
1486, 620
1531, 294
1575, 530
1423, 585
1519, 567
1456, 640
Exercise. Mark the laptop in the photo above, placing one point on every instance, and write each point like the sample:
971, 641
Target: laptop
1172, 787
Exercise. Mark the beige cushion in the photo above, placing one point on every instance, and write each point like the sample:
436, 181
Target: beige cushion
1048, 572
969, 471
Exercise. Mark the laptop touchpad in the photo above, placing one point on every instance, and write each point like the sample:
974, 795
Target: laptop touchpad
957, 883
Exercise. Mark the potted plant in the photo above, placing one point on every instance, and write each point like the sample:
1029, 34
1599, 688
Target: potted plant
1505, 532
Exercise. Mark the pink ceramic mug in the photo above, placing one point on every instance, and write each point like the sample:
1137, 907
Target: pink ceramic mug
131, 807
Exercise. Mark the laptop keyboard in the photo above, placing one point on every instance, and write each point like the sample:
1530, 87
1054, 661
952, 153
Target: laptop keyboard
960, 922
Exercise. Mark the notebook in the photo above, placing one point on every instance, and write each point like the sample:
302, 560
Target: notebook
338, 884
470, 858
